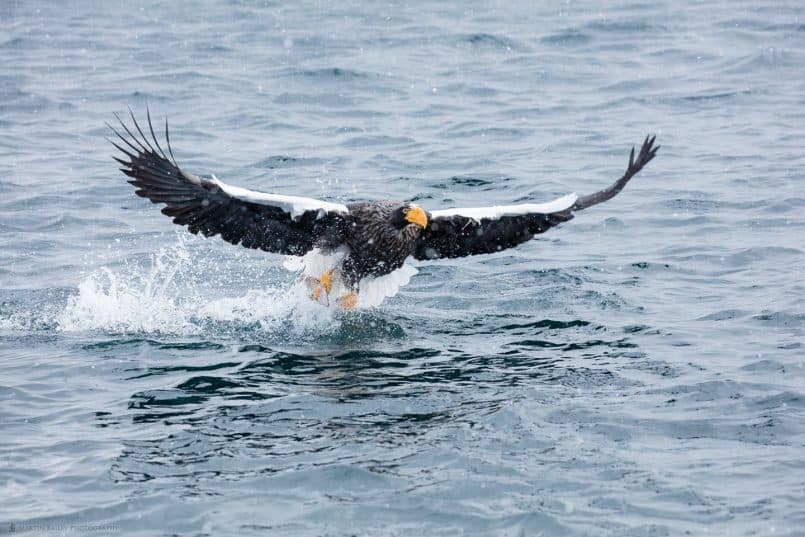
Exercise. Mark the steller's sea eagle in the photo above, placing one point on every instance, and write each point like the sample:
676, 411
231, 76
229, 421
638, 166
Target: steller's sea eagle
347, 247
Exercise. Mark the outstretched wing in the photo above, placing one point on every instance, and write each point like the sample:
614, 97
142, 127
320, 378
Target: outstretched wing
484, 230
271, 222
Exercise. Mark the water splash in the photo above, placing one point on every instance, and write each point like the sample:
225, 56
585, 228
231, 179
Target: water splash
182, 293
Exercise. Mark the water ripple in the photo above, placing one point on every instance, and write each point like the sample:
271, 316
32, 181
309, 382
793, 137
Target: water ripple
636, 371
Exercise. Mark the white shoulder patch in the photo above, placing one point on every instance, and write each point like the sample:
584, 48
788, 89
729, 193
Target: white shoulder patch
294, 205
496, 211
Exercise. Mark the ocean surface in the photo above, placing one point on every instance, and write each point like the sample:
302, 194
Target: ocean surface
637, 371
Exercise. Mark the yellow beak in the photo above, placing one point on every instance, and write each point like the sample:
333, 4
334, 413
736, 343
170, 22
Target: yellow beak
417, 216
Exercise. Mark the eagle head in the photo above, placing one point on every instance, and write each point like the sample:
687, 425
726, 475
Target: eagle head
409, 214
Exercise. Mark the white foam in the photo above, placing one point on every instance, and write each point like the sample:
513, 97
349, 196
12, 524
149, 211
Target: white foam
108, 302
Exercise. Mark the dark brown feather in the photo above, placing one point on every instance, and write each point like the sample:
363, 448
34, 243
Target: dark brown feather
205, 208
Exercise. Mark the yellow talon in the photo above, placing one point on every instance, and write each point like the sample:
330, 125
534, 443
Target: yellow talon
349, 301
324, 282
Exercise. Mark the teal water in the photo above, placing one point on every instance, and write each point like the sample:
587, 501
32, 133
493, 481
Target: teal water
638, 371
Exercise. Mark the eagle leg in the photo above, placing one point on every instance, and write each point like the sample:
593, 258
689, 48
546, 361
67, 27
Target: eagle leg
348, 301
325, 283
